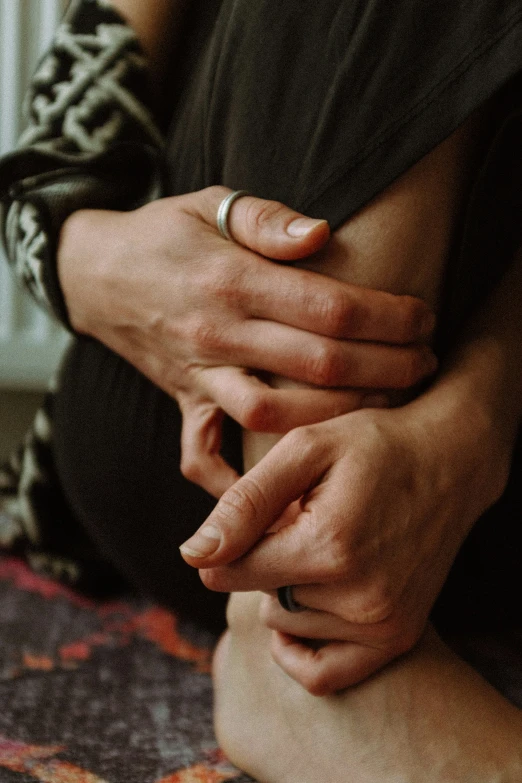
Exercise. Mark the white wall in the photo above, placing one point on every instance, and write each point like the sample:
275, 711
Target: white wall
30, 345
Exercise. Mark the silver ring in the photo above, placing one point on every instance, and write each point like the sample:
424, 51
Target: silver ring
286, 598
224, 211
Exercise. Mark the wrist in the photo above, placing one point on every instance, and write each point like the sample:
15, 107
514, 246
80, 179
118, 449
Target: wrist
471, 435
486, 367
83, 258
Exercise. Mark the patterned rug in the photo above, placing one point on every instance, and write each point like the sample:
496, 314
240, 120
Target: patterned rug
101, 692
120, 691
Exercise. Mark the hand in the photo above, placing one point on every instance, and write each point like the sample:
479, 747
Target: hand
192, 311
376, 504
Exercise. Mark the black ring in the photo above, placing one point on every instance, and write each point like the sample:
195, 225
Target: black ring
287, 600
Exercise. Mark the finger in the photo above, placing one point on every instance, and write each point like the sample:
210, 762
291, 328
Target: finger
267, 227
317, 303
201, 461
329, 668
309, 624
260, 408
286, 555
303, 298
323, 361
318, 624
364, 603
255, 502
294, 556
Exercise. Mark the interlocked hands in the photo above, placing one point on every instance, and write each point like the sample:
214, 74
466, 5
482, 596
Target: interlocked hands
198, 315
367, 513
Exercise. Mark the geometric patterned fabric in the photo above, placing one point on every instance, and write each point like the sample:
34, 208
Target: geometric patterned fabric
101, 692
120, 692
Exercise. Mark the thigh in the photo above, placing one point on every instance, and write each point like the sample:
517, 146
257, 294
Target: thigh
118, 453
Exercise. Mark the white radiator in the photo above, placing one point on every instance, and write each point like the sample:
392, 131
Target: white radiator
30, 344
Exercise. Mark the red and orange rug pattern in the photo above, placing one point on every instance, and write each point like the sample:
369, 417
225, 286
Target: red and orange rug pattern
101, 692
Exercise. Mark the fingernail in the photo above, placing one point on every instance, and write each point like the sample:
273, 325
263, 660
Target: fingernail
204, 543
300, 227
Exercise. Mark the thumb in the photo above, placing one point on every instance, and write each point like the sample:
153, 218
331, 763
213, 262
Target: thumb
251, 506
267, 227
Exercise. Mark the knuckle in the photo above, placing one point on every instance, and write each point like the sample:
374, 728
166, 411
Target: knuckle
214, 579
336, 560
326, 366
244, 500
381, 604
316, 682
213, 195
375, 604
225, 281
375, 609
261, 213
257, 411
301, 441
191, 469
337, 313
339, 562
205, 337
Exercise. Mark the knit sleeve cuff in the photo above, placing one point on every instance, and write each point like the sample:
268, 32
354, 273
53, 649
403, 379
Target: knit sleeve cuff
91, 142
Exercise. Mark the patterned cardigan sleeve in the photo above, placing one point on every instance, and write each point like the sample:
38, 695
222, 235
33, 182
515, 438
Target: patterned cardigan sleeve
91, 141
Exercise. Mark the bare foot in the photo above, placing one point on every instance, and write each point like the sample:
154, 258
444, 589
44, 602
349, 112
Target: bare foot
426, 718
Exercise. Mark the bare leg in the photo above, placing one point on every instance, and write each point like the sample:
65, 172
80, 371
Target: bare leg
428, 717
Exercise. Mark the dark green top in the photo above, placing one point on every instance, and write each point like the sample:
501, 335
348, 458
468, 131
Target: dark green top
322, 103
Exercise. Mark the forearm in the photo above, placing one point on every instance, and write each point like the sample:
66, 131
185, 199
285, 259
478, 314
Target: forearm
483, 374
